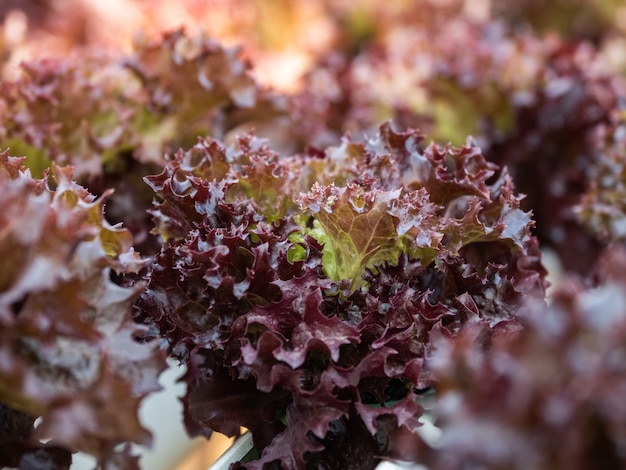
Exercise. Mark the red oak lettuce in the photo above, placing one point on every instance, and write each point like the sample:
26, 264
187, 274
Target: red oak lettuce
68, 345
547, 396
301, 290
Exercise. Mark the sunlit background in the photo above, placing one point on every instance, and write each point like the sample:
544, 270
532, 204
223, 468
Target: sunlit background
282, 37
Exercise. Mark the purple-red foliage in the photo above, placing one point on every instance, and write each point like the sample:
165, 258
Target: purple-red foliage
301, 291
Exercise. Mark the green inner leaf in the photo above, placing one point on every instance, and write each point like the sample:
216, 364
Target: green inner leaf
356, 229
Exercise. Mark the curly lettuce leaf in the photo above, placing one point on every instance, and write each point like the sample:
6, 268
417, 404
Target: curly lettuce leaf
355, 228
562, 369
70, 344
422, 204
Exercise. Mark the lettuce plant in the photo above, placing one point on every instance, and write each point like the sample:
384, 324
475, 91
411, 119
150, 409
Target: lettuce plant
301, 291
69, 346
548, 396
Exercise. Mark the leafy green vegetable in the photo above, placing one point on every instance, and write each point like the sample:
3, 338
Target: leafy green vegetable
547, 395
286, 297
355, 227
69, 344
